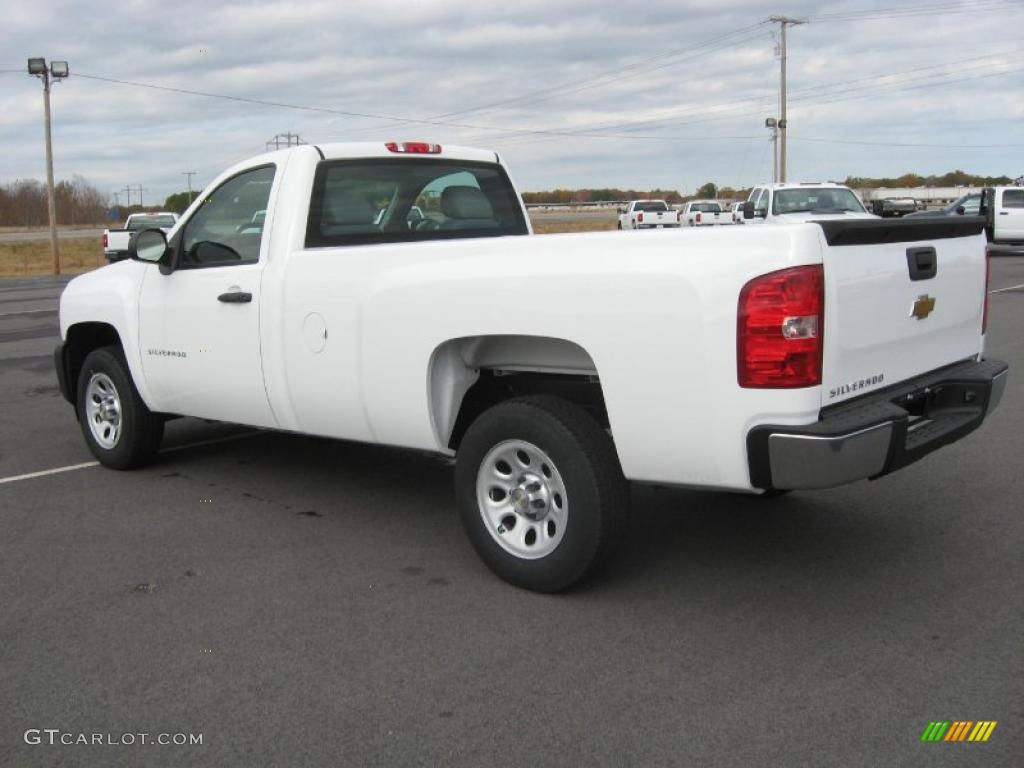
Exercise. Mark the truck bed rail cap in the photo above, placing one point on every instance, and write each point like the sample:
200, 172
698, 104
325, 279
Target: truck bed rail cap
873, 231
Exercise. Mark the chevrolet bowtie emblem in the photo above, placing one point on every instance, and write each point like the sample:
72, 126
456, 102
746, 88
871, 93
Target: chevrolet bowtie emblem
923, 307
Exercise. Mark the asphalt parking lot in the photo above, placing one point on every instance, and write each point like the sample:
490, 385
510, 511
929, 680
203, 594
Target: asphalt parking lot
299, 601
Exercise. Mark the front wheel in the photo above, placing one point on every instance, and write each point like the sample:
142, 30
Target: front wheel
540, 492
119, 429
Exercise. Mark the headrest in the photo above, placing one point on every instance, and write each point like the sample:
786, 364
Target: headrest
348, 207
465, 203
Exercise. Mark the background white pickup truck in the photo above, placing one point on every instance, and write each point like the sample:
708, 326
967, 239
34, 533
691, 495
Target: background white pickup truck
648, 214
115, 241
1003, 208
554, 368
703, 213
805, 201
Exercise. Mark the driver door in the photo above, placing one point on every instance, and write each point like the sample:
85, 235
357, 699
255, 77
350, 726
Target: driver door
199, 325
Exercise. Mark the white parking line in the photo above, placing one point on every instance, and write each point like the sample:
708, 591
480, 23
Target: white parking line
45, 472
1011, 288
87, 464
28, 312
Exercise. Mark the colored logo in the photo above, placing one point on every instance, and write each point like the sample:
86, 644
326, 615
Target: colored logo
959, 730
923, 307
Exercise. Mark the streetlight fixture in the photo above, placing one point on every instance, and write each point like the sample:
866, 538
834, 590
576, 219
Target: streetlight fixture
773, 124
58, 70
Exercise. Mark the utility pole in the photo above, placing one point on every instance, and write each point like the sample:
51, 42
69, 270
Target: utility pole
772, 123
783, 22
189, 174
289, 139
128, 192
140, 189
58, 70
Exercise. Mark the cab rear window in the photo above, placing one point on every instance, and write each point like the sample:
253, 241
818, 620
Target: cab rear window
390, 200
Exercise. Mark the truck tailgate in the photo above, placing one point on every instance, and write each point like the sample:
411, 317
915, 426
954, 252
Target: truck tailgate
902, 297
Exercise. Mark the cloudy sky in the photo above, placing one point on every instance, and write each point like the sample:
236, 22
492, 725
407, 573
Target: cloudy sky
572, 93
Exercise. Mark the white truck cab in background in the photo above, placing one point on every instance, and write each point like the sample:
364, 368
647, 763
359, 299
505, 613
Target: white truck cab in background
703, 213
115, 241
789, 203
1003, 209
648, 214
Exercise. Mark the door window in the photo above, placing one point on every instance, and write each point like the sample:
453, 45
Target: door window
761, 204
1013, 198
228, 228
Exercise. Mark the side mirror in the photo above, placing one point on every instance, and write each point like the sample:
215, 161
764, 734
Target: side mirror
960, 210
148, 245
748, 209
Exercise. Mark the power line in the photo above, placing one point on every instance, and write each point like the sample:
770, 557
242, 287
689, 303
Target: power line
615, 75
349, 113
606, 77
920, 10
873, 87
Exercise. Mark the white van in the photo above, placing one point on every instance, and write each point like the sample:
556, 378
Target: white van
1003, 209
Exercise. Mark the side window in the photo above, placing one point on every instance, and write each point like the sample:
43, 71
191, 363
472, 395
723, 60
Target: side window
761, 204
1013, 198
228, 228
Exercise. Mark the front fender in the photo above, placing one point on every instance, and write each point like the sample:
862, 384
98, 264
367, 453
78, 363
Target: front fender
110, 296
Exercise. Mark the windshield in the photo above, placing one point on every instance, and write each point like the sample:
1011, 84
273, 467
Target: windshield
136, 223
706, 207
815, 200
651, 206
971, 204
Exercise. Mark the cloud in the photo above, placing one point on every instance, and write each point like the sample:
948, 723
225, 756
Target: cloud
650, 95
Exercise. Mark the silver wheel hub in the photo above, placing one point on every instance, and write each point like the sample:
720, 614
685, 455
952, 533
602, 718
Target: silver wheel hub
522, 499
103, 410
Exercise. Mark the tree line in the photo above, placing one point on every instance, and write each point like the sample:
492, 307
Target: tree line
712, 191
950, 179
23, 203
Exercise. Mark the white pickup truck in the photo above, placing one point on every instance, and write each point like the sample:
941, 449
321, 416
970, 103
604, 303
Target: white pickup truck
1003, 209
115, 241
703, 213
789, 203
553, 368
648, 214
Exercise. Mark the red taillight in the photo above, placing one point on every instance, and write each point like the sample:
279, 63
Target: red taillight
988, 276
414, 148
698, 217
780, 329
640, 217
104, 239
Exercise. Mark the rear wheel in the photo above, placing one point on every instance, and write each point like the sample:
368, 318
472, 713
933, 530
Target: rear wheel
119, 429
540, 492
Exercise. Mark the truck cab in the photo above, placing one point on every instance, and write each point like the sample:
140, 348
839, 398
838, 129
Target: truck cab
1003, 209
789, 203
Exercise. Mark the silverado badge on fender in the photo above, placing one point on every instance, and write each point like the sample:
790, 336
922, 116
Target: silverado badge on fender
923, 307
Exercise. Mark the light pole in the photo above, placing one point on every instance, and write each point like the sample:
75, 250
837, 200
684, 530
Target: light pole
783, 22
58, 70
189, 174
772, 123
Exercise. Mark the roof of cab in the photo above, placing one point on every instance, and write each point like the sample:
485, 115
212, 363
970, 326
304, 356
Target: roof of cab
358, 149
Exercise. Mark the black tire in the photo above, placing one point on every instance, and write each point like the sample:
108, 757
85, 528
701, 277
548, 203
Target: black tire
141, 430
596, 493
620, 225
